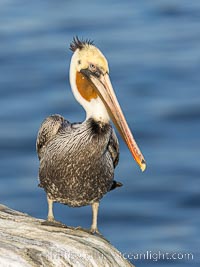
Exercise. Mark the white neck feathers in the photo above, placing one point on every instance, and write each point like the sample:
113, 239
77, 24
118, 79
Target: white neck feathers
94, 108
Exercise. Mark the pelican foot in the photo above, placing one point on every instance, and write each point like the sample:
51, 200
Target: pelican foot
94, 231
89, 231
82, 229
54, 223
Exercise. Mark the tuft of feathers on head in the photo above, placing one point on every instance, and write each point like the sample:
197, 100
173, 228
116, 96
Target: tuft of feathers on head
79, 44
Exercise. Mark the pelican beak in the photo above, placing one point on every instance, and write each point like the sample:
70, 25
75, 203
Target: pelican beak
105, 91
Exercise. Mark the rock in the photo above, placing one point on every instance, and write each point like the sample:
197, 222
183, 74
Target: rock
25, 242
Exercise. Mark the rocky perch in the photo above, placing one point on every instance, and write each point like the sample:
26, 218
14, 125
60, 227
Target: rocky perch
25, 242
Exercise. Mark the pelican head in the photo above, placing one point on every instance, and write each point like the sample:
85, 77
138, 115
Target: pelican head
91, 86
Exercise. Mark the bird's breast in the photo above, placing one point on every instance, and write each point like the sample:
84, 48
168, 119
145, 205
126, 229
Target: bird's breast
80, 143
78, 165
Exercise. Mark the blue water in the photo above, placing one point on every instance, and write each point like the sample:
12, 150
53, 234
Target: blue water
153, 48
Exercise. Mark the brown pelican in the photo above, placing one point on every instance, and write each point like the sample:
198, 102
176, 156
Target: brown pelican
77, 160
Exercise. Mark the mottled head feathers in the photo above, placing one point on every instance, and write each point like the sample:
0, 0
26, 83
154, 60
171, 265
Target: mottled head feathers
79, 44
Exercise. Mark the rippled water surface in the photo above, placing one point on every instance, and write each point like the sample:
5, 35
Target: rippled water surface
153, 48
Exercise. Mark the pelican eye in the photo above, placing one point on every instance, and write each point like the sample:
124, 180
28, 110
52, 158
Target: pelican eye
92, 67
95, 70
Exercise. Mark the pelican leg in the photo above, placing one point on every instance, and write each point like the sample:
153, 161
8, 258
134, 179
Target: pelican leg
50, 216
95, 207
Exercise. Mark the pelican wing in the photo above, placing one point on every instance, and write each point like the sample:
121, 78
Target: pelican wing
113, 148
49, 128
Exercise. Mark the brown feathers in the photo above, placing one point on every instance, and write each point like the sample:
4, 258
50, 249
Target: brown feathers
79, 44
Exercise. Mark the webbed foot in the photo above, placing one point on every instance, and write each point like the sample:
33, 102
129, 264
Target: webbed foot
54, 223
93, 231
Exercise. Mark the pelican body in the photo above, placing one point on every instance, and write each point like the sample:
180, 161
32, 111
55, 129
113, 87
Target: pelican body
77, 160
